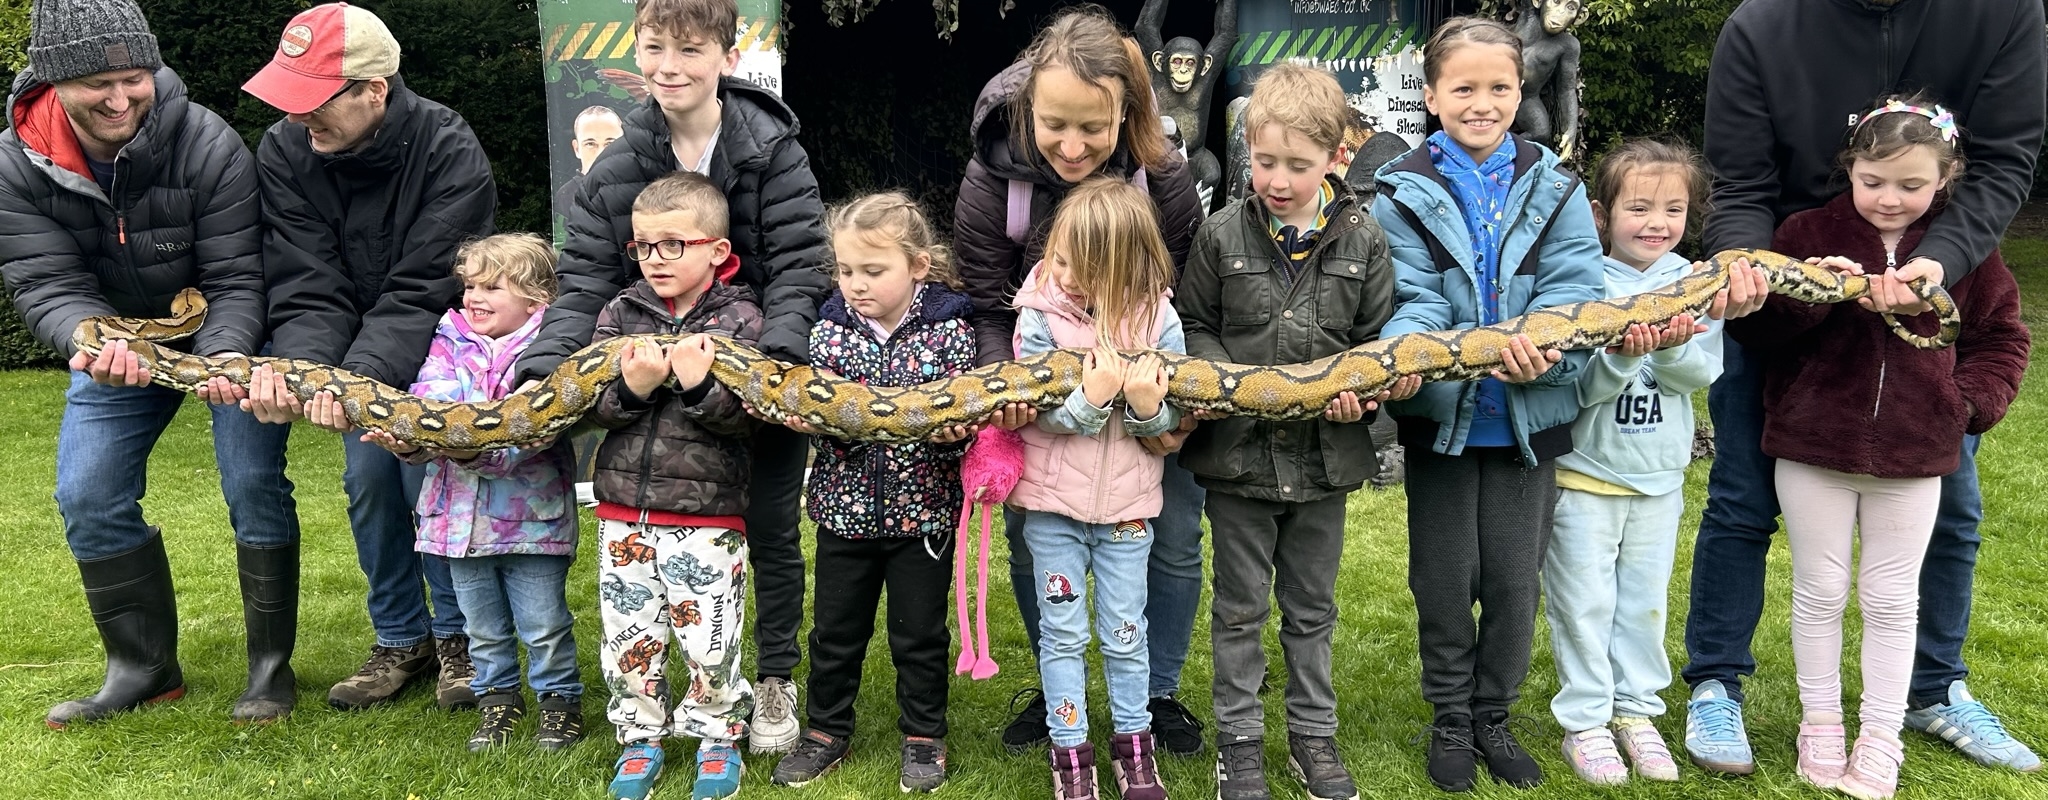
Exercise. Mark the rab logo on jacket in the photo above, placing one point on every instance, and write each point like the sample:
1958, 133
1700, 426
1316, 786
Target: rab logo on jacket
172, 248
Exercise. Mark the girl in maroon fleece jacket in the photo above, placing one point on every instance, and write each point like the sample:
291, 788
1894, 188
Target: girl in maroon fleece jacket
1863, 426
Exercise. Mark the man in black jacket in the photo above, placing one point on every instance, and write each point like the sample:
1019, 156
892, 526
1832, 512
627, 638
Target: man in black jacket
1788, 77
367, 190
117, 192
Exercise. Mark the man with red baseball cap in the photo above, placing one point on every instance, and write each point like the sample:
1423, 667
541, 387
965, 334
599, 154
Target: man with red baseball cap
361, 229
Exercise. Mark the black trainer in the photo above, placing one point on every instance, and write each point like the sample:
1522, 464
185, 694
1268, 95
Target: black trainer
1028, 729
924, 764
1241, 768
814, 754
1505, 757
1315, 762
1176, 728
500, 711
561, 722
1453, 757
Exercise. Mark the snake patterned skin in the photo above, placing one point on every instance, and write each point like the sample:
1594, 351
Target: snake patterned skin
853, 411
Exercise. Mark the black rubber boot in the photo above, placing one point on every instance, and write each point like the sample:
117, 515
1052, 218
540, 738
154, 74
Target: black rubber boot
136, 612
270, 611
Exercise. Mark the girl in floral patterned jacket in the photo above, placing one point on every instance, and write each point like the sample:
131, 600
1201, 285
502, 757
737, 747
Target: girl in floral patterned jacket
885, 513
503, 519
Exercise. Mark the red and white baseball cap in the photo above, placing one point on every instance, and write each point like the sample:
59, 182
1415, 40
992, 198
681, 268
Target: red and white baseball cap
323, 49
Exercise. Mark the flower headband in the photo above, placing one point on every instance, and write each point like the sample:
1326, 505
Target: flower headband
1944, 121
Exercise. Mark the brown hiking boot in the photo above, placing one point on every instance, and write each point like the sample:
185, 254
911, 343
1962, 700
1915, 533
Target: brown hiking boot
383, 676
452, 692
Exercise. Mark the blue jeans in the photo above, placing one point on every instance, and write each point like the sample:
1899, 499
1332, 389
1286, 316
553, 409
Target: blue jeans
1735, 536
103, 447
1065, 552
382, 491
1174, 575
522, 594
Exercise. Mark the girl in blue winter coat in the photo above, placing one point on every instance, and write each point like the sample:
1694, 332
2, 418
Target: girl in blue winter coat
886, 513
1620, 491
503, 519
1483, 226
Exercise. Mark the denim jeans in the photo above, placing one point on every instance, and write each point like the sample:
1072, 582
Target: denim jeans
1267, 551
1606, 582
1174, 579
103, 447
382, 491
511, 599
1735, 536
1065, 552
1174, 576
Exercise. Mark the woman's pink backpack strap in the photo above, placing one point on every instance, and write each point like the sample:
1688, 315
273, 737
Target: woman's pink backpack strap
1018, 224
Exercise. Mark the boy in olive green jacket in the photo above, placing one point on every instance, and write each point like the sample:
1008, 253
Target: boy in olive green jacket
1295, 273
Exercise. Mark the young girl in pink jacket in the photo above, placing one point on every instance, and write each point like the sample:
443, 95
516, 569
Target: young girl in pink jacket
1103, 286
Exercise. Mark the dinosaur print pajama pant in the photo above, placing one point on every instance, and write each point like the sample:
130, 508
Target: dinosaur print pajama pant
673, 591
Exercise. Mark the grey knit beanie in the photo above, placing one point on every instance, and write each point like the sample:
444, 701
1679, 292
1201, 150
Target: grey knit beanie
75, 38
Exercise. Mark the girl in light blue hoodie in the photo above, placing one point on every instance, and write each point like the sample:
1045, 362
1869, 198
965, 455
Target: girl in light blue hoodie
1608, 568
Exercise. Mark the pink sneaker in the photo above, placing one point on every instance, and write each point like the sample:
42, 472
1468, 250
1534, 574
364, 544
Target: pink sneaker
1593, 757
1646, 750
1874, 773
1823, 754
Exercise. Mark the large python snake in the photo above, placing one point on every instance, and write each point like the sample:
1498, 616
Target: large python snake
850, 410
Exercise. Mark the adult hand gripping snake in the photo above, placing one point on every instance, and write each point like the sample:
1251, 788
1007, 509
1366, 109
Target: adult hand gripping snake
853, 411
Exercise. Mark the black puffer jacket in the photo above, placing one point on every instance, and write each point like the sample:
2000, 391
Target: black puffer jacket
1788, 75
686, 452
184, 213
991, 264
361, 246
778, 228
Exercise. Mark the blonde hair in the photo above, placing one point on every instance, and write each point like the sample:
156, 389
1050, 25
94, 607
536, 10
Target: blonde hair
1088, 42
1107, 234
1302, 99
521, 262
892, 219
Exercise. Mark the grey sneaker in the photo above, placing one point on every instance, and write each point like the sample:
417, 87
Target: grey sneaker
1315, 762
924, 764
383, 676
774, 728
451, 691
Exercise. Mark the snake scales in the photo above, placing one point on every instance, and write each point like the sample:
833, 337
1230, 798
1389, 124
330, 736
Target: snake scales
854, 411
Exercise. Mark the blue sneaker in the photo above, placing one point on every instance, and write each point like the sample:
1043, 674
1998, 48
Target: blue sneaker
718, 771
634, 775
1714, 737
1973, 729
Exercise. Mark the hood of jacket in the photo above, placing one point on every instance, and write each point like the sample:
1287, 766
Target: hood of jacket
33, 111
935, 303
751, 123
1623, 279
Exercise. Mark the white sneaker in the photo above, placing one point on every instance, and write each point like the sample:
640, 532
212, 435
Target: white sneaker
774, 728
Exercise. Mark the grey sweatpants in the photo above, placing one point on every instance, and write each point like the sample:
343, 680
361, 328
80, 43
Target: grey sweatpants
1477, 527
1266, 549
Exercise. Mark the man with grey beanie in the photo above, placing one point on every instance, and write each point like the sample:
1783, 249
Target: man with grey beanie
118, 192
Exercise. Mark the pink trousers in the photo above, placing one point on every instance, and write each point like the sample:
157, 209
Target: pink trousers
1827, 513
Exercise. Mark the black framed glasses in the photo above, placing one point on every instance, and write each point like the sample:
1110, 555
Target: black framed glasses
345, 89
668, 248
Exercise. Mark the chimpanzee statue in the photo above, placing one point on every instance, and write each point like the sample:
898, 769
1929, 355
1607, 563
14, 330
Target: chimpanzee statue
1550, 73
1184, 81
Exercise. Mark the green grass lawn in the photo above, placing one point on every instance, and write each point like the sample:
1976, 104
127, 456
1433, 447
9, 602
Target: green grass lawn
411, 750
